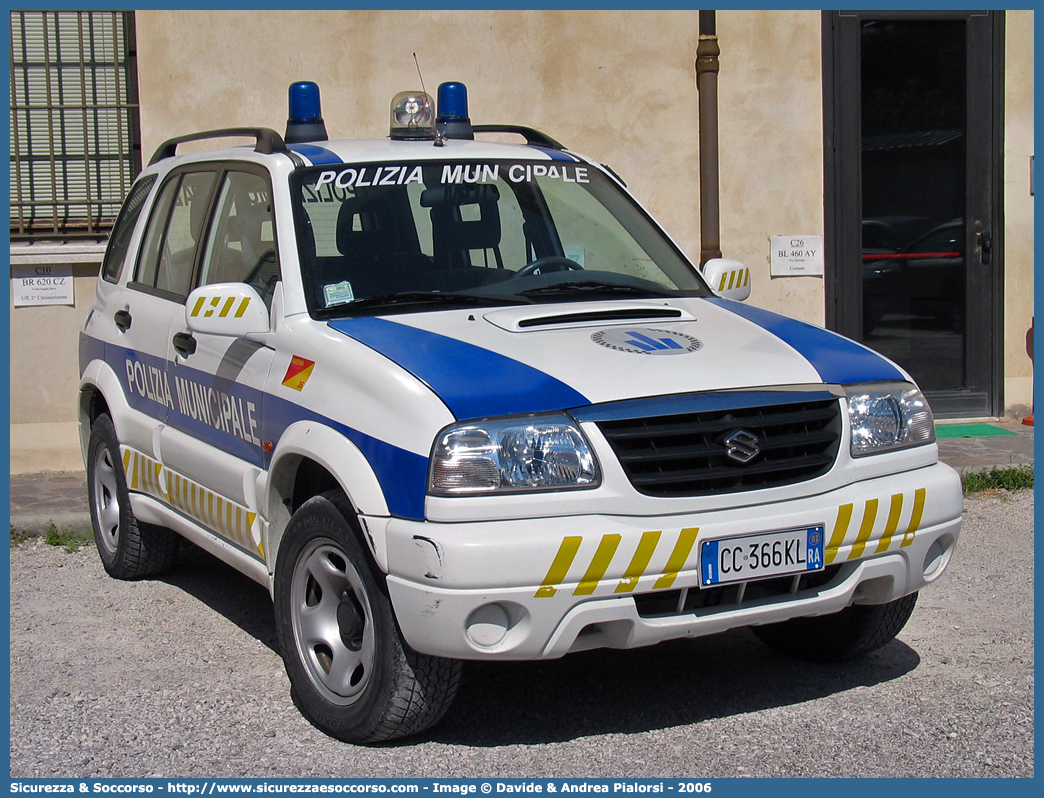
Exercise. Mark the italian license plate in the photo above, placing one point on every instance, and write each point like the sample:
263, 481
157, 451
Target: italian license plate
740, 559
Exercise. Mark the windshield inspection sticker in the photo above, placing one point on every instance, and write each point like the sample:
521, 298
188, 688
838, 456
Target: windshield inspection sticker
338, 293
646, 341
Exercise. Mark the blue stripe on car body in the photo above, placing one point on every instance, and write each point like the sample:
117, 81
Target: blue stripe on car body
317, 155
556, 155
676, 404
402, 475
838, 360
473, 382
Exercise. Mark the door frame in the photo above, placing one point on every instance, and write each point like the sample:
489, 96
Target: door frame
843, 195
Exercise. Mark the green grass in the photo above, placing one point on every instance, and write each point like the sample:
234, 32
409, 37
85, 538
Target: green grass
1014, 478
20, 536
71, 540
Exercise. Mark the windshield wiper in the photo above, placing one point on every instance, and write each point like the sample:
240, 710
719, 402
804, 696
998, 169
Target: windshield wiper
586, 287
420, 298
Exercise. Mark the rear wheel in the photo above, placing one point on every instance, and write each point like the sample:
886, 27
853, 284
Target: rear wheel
351, 673
129, 548
855, 631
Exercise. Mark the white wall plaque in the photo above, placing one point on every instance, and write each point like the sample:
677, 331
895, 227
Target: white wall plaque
797, 256
42, 284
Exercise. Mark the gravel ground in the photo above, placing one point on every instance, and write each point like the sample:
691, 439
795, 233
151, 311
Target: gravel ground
178, 677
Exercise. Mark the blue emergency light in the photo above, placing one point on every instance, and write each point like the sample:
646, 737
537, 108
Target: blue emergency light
452, 121
305, 122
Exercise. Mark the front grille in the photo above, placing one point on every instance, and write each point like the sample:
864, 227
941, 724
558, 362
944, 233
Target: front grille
707, 600
684, 454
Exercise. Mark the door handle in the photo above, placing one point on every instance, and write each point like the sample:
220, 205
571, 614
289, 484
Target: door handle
122, 319
984, 244
184, 343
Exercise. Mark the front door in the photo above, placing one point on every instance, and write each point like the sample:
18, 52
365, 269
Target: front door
913, 196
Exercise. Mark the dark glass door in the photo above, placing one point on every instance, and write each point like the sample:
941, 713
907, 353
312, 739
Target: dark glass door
916, 249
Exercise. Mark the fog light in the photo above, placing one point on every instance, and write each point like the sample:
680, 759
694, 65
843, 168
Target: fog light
488, 625
938, 557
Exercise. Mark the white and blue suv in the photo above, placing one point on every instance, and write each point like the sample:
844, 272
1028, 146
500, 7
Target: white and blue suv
454, 399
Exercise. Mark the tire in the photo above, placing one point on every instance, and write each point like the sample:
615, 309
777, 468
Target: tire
854, 632
351, 673
129, 548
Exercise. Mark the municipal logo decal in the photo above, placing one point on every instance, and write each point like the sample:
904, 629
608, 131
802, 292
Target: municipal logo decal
298, 372
646, 341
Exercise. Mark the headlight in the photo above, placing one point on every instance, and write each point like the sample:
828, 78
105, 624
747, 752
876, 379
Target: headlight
511, 456
887, 416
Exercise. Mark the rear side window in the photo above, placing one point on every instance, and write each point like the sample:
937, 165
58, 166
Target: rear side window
175, 228
119, 241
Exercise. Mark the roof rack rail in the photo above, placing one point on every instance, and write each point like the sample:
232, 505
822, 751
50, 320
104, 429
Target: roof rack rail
268, 141
531, 135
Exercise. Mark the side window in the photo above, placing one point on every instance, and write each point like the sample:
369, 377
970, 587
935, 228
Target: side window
119, 241
175, 227
241, 247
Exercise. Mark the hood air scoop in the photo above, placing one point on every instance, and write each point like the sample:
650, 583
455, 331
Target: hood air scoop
517, 319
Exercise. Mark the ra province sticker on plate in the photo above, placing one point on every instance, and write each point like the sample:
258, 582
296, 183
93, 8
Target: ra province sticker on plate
647, 341
298, 372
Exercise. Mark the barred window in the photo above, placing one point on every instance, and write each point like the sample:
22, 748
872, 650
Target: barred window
75, 135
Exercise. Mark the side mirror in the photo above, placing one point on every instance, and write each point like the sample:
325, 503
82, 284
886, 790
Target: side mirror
232, 309
729, 279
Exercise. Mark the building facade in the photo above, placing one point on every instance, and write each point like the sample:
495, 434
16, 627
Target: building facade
901, 144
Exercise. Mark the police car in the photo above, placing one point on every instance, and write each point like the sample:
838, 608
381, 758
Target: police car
453, 399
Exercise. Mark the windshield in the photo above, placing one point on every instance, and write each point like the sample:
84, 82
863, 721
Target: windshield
476, 233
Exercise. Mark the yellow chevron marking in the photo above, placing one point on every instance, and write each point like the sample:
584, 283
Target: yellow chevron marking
724, 276
869, 517
640, 561
915, 517
229, 301
732, 279
242, 306
676, 561
893, 523
198, 306
556, 574
746, 276
599, 564
844, 517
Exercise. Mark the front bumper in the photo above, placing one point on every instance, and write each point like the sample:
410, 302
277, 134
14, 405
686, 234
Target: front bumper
541, 588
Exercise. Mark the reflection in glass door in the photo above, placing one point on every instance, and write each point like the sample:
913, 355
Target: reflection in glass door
913, 166
912, 198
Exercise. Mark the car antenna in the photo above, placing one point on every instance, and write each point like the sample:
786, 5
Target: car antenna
440, 139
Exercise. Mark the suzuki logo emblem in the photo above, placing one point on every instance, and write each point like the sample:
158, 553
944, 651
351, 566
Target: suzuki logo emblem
742, 446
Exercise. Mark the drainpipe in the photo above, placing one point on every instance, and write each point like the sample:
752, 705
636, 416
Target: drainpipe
707, 53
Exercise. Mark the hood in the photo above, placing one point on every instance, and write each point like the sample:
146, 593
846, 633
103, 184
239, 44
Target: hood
539, 358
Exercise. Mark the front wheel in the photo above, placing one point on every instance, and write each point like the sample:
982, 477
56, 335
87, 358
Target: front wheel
855, 631
351, 673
